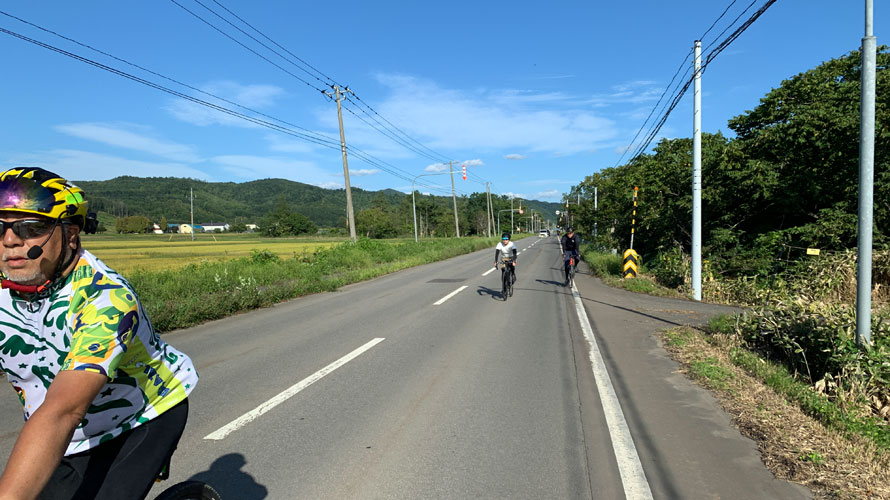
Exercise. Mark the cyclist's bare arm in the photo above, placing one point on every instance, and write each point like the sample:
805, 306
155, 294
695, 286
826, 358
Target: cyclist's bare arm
45, 436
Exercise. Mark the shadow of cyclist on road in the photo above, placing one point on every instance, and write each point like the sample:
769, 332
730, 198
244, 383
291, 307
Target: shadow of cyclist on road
495, 294
226, 476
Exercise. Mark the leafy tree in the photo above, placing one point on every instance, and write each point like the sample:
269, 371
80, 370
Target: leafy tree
375, 223
281, 221
133, 224
163, 224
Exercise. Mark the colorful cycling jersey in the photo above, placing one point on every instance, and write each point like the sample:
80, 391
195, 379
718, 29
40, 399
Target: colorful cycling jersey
93, 322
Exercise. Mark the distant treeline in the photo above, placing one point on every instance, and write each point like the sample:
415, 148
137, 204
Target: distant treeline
378, 213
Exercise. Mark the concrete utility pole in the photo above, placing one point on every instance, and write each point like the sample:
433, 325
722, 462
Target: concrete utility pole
349, 212
594, 210
866, 180
454, 199
413, 203
696, 177
488, 191
192, 210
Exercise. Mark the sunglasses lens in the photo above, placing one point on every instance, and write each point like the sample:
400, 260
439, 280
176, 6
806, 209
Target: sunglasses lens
31, 228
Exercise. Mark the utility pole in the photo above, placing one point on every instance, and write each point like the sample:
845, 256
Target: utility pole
696, 177
866, 180
488, 192
594, 210
192, 210
454, 199
349, 212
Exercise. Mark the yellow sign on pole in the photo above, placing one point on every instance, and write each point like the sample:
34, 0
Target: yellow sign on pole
631, 263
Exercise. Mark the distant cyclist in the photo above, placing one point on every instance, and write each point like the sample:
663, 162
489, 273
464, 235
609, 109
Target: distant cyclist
570, 245
507, 248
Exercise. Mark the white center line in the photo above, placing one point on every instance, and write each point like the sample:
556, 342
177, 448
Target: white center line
452, 294
486, 273
252, 415
633, 478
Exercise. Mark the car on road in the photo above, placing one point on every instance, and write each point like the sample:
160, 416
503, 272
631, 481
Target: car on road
544, 233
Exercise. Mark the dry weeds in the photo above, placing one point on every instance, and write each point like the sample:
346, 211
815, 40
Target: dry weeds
793, 446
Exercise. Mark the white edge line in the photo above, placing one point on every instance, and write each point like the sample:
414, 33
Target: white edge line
486, 273
452, 294
633, 478
288, 393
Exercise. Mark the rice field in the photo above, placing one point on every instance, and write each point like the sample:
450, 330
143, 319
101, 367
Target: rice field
150, 252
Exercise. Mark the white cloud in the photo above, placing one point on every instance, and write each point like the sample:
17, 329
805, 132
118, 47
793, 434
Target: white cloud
484, 120
280, 144
117, 135
331, 185
436, 167
514, 156
473, 163
88, 166
363, 171
543, 195
251, 96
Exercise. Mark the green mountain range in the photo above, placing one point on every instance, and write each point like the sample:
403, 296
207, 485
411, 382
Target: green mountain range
247, 202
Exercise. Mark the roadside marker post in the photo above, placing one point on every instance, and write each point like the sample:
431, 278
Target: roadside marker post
631, 263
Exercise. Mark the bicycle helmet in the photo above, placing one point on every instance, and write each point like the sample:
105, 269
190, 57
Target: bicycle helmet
505, 236
40, 192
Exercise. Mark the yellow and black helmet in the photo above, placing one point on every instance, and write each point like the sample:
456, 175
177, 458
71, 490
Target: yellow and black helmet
40, 192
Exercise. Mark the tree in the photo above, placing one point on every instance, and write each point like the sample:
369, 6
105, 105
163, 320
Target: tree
133, 224
163, 224
375, 223
281, 221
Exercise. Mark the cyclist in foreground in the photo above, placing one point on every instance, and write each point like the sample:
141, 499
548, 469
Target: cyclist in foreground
508, 249
105, 399
570, 244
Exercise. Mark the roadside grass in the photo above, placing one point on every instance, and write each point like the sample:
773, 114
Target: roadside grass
177, 298
608, 267
803, 435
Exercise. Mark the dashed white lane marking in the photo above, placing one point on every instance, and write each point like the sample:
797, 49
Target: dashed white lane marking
633, 478
486, 273
452, 294
288, 393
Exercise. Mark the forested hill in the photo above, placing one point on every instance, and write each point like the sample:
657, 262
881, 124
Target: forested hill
247, 202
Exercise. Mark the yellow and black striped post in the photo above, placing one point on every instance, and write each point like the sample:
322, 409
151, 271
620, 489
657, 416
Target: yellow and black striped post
633, 220
631, 263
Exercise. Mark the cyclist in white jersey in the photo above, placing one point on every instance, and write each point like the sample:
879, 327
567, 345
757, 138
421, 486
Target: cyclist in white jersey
104, 398
508, 249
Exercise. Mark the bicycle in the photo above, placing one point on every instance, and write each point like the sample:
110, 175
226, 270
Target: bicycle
570, 272
507, 278
186, 490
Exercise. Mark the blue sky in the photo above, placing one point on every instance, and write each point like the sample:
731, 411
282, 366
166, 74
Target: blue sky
532, 96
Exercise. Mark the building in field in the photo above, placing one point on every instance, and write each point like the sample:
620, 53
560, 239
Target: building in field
189, 229
211, 227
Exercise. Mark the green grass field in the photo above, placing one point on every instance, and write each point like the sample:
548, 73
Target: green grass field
153, 252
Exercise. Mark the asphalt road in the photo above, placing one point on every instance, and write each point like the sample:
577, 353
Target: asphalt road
382, 390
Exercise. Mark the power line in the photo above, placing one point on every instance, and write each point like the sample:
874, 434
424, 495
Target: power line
209, 94
385, 127
321, 141
717, 20
732, 23
230, 37
678, 95
329, 79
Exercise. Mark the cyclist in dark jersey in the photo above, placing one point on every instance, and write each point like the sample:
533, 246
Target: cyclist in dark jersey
105, 399
570, 244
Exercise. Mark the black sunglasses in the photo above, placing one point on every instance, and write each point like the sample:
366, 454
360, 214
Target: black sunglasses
27, 228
